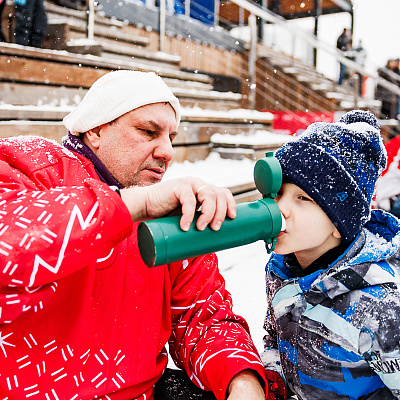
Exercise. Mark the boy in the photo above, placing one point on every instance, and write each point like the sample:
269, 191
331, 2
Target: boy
333, 319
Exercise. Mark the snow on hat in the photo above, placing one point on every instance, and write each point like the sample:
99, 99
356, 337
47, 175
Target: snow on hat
115, 94
337, 164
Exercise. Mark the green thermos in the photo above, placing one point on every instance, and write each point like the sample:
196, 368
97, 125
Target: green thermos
162, 241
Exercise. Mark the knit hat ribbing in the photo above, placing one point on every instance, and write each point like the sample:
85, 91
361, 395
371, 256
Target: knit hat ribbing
115, 94
337, 164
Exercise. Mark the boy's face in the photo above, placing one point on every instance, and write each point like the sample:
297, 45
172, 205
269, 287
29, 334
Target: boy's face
309, 232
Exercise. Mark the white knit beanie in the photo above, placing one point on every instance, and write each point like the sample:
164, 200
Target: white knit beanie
115, 94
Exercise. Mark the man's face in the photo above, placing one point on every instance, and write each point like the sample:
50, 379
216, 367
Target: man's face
136, 148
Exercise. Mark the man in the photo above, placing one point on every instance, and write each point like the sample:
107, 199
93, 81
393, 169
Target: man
343, 43
82, 316
30, 22
389, 100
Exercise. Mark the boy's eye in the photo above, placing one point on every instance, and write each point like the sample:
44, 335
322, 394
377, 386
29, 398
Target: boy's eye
304, 198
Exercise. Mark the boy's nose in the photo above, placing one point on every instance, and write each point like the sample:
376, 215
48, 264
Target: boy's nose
283, 207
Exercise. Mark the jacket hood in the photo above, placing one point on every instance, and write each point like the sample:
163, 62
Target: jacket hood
371, 259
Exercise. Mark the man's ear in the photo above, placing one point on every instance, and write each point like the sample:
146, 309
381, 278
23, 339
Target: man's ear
92, 137
336, 234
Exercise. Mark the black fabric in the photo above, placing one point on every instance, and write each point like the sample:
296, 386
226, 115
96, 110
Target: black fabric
75, 143
30, 22
176, 385
2, 4
380, 394
395, 209
320, 263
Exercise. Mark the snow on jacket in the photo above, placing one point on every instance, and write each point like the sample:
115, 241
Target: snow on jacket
81, 316
336, 333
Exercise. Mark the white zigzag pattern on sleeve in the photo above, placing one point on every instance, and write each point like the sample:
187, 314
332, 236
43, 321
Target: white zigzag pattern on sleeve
84, 223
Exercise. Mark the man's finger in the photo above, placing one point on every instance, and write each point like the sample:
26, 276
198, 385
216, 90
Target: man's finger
189, 202
208, 200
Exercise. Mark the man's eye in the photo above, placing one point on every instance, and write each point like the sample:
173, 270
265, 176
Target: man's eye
148, 132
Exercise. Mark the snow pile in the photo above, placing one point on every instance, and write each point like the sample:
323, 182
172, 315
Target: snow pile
215, 170
259, 137
239, 113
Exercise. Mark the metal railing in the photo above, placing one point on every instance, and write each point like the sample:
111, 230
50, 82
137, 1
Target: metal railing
257, 11
269, 16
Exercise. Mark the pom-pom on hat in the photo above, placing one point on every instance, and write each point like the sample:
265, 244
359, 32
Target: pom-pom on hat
115, 94
337, 164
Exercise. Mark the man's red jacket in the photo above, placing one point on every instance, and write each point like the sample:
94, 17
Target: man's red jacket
81, 315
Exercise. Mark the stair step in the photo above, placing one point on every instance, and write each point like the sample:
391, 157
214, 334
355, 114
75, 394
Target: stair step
112, 49
66, 25
63, 68
55, 11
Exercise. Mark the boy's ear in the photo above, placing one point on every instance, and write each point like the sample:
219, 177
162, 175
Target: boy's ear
336, 234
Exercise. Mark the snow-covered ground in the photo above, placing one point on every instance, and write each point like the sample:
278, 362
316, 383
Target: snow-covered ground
243, 269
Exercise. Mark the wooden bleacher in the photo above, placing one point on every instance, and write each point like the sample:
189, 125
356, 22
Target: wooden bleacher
40, 86
36, 101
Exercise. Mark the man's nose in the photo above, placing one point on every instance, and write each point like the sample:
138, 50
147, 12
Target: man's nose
164, 149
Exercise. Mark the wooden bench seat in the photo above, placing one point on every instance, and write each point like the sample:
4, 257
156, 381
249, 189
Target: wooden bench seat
54, 69
12, 56
193, 142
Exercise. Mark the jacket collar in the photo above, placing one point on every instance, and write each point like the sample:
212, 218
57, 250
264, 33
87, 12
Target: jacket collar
76, 144
370, 260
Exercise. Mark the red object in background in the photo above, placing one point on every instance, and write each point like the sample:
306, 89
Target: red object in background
292, 122
392, 148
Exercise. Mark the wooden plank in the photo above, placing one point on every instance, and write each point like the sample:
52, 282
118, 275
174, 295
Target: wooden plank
131, 51
265, 146
248, 196
242, 153
296, 7
81, 61
61, 11
189, 128
18, 93
177, 83
49, 130
208, 95
201, 132
242, 188
39, 71
104, 32
22, 94
231, 120
191, 153
211, 104
32, 113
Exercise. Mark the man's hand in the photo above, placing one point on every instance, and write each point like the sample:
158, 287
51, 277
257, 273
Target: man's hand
245, 386
188, 194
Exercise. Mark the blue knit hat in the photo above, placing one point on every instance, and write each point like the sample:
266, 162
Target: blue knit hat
337, 164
